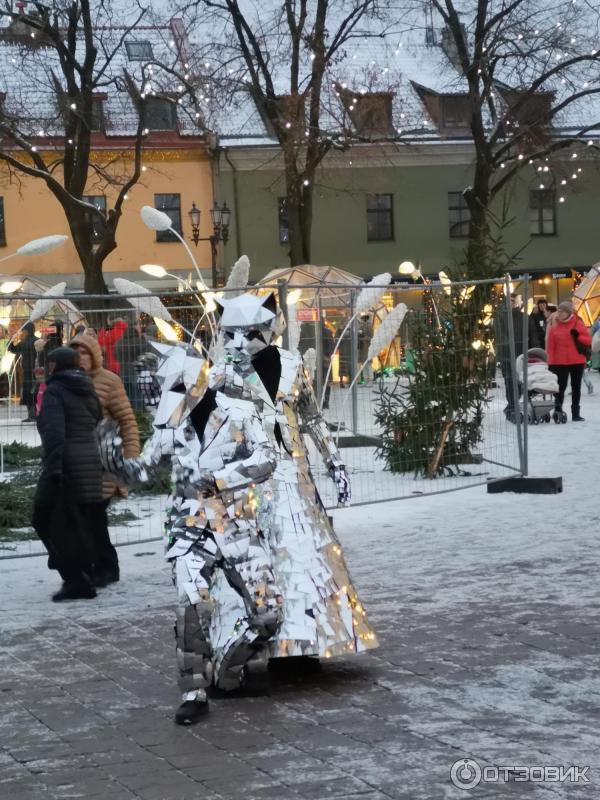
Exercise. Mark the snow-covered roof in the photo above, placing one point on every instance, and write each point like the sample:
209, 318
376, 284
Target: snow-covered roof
402, 57
29, 74
405, 57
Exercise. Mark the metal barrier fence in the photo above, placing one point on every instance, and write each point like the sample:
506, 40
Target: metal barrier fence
416, 403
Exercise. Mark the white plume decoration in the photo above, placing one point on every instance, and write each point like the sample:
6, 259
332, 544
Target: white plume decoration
310, 361
238, 278
43, 305
154, 219
369, 297
387, 330
38, 247
150, 305
294, 327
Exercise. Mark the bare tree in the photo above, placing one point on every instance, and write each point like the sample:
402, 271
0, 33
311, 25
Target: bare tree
67, 55
285, 56
530, 72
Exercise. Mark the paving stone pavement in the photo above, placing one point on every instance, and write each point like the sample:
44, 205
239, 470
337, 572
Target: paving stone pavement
487, 652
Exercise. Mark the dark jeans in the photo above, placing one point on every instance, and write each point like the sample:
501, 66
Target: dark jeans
507, 374
64, 528
562, 372
105, 558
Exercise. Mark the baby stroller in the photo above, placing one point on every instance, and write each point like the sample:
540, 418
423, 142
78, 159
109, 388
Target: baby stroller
541, 387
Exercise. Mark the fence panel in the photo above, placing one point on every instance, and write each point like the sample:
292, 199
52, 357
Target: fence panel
424, 414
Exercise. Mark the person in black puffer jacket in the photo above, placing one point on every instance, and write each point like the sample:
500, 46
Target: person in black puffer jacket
70, 484
26, 349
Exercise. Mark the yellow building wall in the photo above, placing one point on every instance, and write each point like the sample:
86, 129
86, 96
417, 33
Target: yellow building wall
32, 211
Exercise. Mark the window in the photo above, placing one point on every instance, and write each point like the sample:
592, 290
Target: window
2, 228
456, 111
284, 220
459, 215
139, 51
96, 225
97, 114
171, 205
369, 113
380, 218
161, 114
542, 212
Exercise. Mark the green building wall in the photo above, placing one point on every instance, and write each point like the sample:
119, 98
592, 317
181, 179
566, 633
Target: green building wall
339, 234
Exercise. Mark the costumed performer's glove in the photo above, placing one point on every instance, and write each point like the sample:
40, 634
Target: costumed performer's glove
342, 481
110, 443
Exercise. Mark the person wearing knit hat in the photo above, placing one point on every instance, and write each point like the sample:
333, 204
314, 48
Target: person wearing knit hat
567, 345
566, 307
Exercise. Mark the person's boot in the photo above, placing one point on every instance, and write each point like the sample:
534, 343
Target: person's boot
106, 576
193, 708
81, 589
575, 415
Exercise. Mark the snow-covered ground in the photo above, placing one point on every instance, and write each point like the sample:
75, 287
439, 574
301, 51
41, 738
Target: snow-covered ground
447, 547
371, 482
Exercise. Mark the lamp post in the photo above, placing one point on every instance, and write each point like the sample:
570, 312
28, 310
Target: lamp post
220, 217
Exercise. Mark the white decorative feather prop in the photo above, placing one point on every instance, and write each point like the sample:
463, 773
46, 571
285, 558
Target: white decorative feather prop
154, 219
38, 247
46, 301
387, 330
150, 305
310, 361
238, 278
369, 297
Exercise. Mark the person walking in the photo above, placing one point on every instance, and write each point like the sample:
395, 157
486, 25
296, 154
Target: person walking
507, 367
25, 348
568, 340
537, 324
69, 486
116, 407
129, 349
108, 338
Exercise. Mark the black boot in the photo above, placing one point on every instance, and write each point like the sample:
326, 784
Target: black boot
106, 576
191, 711
575, 415
80, 589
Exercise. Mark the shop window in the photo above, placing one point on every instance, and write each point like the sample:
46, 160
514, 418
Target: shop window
459, 215
380, 217
171, 205
542, 212
283, 219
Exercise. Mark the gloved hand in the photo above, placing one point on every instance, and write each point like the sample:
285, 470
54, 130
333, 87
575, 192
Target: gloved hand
340, 476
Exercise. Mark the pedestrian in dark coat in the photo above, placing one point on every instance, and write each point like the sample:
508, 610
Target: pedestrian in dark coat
537, 325
504, 322
70, 485
25, 348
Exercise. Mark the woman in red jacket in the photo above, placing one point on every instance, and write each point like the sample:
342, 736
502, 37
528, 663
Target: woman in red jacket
567, 337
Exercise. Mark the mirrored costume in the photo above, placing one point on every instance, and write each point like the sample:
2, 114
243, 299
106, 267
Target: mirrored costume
258, 568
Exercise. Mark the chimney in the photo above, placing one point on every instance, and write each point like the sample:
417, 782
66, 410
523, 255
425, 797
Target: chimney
181, 39
449, 45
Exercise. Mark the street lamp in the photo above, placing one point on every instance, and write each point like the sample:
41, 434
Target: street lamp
220, 217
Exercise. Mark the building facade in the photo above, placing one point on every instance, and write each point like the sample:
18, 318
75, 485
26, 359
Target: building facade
378, 205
